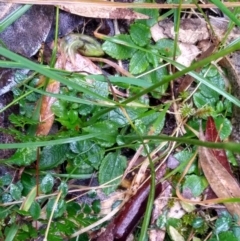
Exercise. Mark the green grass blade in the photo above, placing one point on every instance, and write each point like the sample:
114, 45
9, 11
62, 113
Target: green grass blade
48, 73
12, 232
51, 142
231, 146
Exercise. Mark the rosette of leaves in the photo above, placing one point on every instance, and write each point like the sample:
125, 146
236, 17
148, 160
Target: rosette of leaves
138, 48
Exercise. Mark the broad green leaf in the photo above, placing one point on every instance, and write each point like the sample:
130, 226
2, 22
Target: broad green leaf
152, 13
108, 130
86, 209
5, 180
96, 206
79, 166
225, 236
84, 220
16, 191
224, 127
35, 210
112, 166
28, 182
6, 198
156, 77
52, 156
195, 184
63, 187
4, 212
182, 156
165, 47
222, 224
213, 77
236, 231
153, 58
138, 62
118, 117
200, 100
73, 208
23, 157
118, 51
140, 34
47, 183
89, 151
58, 211
198, 222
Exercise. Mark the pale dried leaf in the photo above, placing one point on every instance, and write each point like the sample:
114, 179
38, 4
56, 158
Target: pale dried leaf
107, 204
222, 183
175, 235
191, 30
102, 12
157, 32
79, 64
156, 235
161, 201
176, 211
188, 50
188, 53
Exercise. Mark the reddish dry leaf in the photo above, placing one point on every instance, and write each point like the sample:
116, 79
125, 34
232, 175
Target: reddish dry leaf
46, 115
220, 180
103, 12
132, 211
211, 134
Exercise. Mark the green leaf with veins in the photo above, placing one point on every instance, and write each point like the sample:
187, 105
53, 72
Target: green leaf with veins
182, 156
213, 76
16, 191
23, 157
195, 184
201, 101
153, 58
58, 211
138, 62
165, 47
52, 156
79, 165
156, 77
140, 34
152, 13
35, 210
224, 127
47, 183
112, 166
108, 129
118, 117
118, 51
89, 151
225, 236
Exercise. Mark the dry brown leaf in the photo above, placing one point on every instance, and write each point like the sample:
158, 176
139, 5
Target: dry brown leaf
102, 12
46, 115
222, 183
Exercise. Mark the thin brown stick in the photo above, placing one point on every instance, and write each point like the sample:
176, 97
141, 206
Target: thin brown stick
112, 64
118, 4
